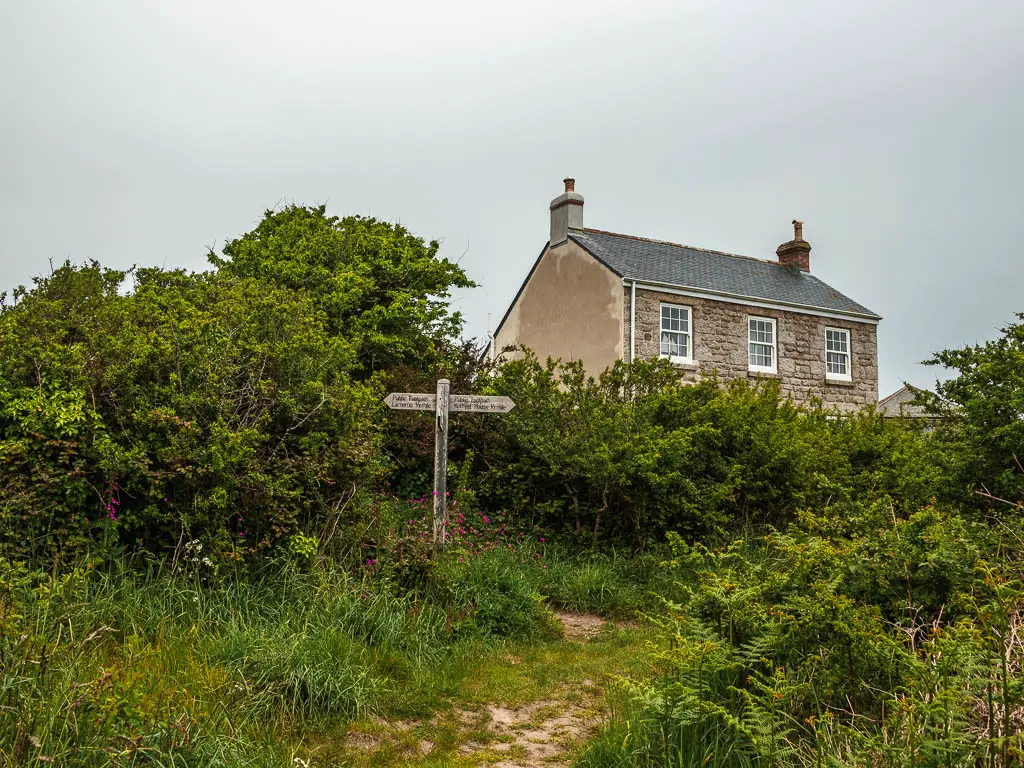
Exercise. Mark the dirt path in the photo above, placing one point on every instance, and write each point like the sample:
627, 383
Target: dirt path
543, 732
523, 711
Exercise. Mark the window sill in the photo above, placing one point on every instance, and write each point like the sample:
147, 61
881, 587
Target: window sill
835, 381
682, 362
759, 373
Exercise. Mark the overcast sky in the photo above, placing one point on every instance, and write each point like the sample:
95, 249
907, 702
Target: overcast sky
142, 133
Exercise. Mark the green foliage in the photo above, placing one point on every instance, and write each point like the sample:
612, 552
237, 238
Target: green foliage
493, 594
982, 410
638, 452
380, 287
887, 645
70, 696
610, 584
238, 408
198, 406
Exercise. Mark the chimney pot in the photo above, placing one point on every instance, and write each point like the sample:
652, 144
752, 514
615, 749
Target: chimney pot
798, 229
566, 213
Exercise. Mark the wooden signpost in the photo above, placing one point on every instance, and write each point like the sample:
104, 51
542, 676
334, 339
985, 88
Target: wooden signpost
441, 403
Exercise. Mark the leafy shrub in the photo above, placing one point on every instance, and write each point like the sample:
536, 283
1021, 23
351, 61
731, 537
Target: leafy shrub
791, 649
237, 407
980, 410
637, 452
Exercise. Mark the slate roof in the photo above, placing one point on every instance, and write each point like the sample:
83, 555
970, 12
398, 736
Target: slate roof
654, 261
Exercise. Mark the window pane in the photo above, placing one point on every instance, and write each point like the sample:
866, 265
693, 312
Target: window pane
836, 363
761, 355
836, 341
675, 318
674, 344
757, 356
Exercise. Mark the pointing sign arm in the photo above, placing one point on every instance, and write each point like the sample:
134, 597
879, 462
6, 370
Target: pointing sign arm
411, 401
422, 401
481, 403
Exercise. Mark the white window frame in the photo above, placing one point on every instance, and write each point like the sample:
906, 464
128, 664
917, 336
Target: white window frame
848, 376
774, 367
688, 359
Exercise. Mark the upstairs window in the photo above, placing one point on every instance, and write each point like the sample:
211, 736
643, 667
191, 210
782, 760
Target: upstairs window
837, 353
676, 334
761, 344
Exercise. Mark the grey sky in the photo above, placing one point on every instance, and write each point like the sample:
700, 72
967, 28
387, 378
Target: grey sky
143, 132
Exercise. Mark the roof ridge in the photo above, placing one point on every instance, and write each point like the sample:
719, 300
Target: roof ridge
681, 245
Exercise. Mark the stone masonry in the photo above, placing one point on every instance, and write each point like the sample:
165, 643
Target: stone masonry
719, 331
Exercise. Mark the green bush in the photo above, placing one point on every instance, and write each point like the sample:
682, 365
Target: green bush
637, 452
889, 645
236, 408
614, 584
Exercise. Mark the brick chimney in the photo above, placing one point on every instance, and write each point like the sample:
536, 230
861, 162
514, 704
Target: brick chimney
797, 252
566, 213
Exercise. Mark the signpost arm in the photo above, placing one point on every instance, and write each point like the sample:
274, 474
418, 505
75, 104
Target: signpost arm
441, 465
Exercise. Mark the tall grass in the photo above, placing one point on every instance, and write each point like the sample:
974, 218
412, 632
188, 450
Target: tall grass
133, 665
127, 667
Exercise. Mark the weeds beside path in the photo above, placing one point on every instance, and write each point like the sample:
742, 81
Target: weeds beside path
531, 705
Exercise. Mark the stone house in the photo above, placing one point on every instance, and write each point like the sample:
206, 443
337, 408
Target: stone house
599, 297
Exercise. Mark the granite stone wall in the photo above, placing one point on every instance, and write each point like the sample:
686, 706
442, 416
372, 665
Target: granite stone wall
720, 344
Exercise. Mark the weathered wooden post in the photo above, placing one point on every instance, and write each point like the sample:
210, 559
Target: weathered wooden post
441, 465
441, 403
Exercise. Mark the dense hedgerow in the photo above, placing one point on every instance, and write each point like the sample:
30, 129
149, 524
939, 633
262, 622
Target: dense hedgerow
638, 452
237, 407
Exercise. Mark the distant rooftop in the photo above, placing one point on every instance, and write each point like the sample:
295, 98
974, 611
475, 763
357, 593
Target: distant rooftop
683, 266
900, 403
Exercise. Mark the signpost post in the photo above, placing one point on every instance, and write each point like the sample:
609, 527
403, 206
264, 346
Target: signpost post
441, 464
441, 403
